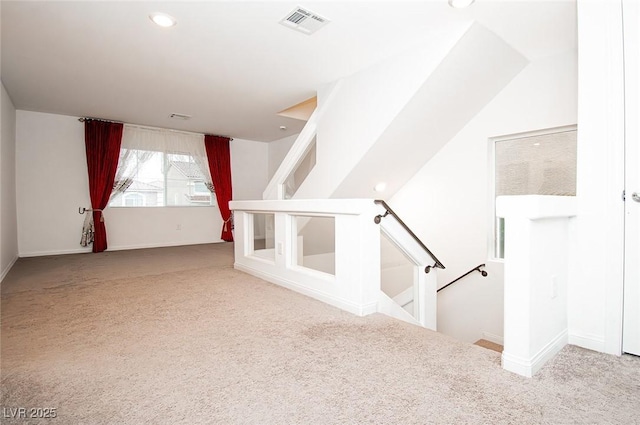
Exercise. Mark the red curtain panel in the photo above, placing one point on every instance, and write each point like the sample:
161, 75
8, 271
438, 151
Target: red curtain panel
102, 141
219, 160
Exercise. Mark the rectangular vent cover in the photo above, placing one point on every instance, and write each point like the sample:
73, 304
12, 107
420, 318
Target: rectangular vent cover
304, 20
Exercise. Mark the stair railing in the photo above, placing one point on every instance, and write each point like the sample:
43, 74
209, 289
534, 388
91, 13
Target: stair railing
377, 219
475, 269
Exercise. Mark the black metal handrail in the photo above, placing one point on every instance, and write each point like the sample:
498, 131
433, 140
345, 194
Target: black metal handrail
377, 219
478, 269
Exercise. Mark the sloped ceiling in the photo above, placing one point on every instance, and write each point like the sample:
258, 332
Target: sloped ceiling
229, 64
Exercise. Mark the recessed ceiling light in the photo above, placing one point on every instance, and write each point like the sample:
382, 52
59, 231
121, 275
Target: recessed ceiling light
283, 127
162, 19
380, 187
459, 4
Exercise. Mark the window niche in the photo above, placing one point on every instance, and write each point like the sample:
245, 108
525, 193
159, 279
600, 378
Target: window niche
534, 163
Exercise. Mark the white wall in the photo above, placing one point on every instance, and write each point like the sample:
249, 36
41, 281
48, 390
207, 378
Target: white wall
8, 220
447, 202
52, 183
277, 151
435, 113
363, 105
536, 270
596, 275
249, 168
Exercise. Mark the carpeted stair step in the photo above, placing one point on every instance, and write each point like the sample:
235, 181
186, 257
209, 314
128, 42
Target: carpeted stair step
489, 345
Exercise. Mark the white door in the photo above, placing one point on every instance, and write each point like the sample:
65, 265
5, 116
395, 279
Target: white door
631, 320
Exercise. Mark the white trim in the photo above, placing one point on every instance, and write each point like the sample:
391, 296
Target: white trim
529, 367
156, 245
88, 249
267, 256
588, 341
316, 274
536, 207
55, 252
491, 200
306, 207
8, 268
535, 133
357, 309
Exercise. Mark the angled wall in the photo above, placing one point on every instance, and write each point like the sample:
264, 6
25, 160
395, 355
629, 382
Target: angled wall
466, 80
362, 108
401, 138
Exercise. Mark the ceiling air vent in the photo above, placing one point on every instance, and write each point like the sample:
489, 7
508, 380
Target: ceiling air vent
304, 20
180, 117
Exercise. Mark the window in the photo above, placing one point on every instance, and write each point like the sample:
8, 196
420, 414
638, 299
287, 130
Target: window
536, 163
160, 168
133, 200
200, 187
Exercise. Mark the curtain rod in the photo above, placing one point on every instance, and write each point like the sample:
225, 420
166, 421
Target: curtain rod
145, 127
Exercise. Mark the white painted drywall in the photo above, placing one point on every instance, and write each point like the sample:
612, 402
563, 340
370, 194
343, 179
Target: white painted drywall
8, 220
596, 275
51, 177
536, 269
52, 183
361, 108
249, 168
454, 92
132, 228
447, 202
277, 151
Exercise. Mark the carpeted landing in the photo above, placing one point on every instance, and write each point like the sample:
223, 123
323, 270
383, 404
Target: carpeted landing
177, 336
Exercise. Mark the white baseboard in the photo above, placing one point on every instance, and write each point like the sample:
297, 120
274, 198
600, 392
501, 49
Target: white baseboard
55, 252
110, 248
357, 309
8, 268
159, 245
496, 339
529, 366
588, 341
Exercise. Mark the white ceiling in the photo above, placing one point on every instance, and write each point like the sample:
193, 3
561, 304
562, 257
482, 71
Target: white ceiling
230, 64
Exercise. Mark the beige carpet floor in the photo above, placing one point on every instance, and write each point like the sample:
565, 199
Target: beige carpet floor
177, 336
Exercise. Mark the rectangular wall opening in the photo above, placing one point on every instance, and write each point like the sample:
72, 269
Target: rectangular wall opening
315, 242
263, 236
